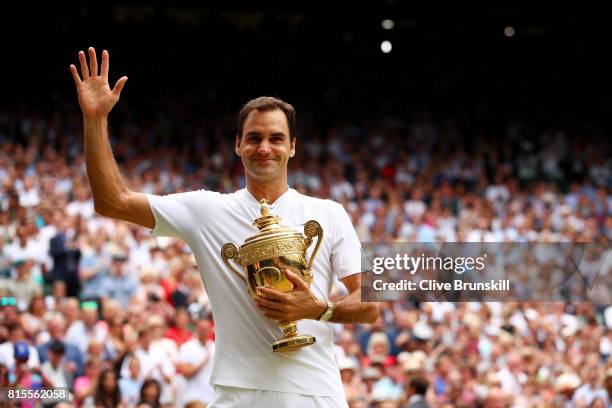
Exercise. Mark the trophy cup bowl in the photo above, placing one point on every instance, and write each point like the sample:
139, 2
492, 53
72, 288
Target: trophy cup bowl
263, 258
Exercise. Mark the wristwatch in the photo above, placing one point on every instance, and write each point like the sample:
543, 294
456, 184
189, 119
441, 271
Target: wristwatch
328, 313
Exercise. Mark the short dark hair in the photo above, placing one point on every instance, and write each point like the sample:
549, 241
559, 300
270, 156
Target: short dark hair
264, 104
147, 383
57, 347
419, 384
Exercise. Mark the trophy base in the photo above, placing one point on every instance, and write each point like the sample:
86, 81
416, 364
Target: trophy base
293, 343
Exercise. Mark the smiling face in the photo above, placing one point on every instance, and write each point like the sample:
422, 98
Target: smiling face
265, 147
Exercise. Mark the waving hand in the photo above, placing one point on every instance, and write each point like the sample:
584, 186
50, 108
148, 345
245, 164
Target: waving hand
96, 98
112, 198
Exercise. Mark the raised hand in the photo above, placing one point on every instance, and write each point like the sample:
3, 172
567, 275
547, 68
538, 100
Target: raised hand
95, 96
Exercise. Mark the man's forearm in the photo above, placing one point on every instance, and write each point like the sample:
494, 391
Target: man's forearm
301, 303
104, 177
352, 310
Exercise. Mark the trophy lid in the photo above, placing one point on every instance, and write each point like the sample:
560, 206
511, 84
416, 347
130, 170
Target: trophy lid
272, 240
267, 221
268, 225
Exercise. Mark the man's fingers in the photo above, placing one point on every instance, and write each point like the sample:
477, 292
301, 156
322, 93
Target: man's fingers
75, 75
298, 283
268, 304
276, 316
272, 294
84, 67
119, 85
104, 69
93, 63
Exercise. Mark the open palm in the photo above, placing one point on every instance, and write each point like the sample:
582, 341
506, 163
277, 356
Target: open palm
96, 98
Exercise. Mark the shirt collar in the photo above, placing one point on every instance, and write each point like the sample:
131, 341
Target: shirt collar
278, 202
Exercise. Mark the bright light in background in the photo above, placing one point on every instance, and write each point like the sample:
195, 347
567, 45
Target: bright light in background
509, 31
386, 46
388, 24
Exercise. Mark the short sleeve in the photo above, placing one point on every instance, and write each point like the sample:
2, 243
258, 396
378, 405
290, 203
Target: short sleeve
346, 248
174, 215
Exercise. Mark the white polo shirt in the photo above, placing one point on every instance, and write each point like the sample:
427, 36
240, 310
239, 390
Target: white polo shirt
207, 220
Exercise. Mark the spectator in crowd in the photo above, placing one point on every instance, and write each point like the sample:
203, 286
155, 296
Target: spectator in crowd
350, 380
8, 349
33, 319
130, 386
369, 376
592, 387
159, 342
89, 327
56, 373
66, 255
23, 375
566, 385
70, 309
108, 394
84, 387
195, 363
115, 345
150, 393
93, 267
25, 247
379, 348
416, 388
153, 365
118, 284
386, 386
56, 329
180, 331
23, 287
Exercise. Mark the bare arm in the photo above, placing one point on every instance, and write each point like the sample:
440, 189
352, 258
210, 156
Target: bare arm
189, 370
111, 196
351, 309
301, 303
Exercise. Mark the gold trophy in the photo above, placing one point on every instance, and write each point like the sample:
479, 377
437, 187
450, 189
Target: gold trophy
266, 254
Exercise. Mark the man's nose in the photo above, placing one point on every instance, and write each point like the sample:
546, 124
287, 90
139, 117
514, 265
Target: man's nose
263, 148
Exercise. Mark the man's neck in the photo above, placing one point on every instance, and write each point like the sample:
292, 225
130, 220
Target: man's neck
270, 192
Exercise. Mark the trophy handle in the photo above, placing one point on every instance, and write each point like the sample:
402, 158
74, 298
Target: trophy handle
230, 251
311, 229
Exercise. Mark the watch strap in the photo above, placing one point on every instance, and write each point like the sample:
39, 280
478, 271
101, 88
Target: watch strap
328, 313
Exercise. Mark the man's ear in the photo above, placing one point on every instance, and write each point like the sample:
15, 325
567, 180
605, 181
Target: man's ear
237, 146
292, 151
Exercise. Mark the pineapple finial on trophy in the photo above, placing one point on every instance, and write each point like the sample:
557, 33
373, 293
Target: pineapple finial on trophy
267, 221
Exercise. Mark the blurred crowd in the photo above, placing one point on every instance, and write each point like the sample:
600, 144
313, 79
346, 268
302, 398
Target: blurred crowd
122, 318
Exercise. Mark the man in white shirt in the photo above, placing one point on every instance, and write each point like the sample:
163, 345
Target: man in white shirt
195, 363
152, 364
7, 349
246, 372
54, 370
89, 327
